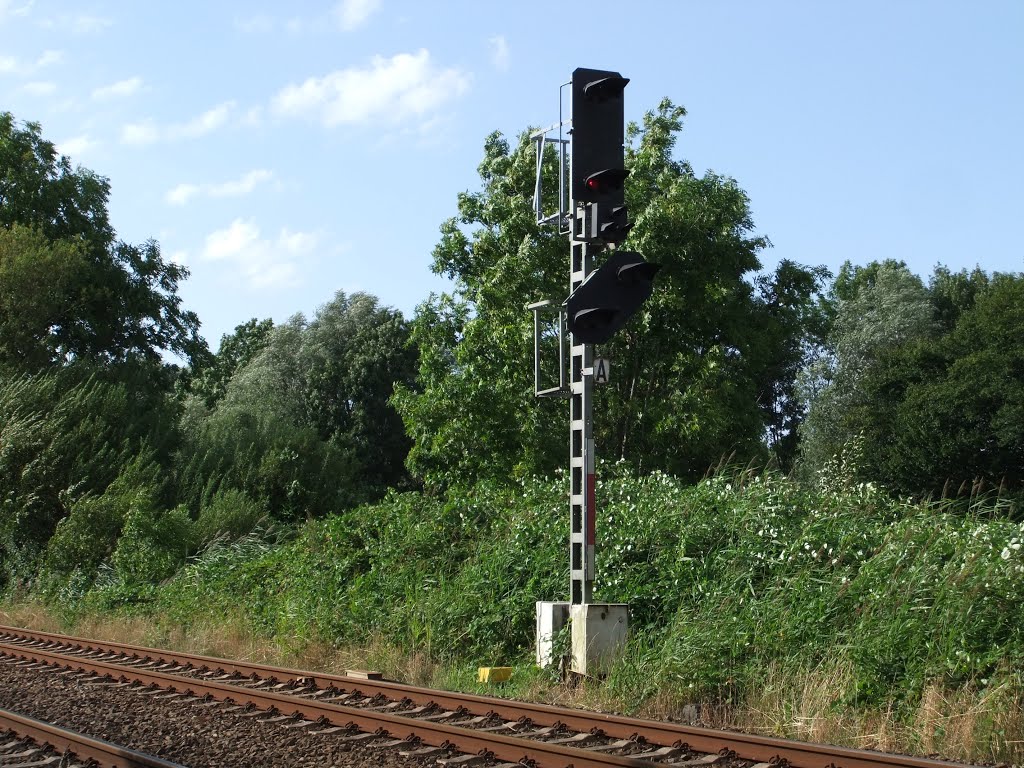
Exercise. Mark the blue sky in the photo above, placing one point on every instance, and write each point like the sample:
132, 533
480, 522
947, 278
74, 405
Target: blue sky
286, 151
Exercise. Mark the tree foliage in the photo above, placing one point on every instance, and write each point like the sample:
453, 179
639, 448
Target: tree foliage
85, 320
66, 435
877, 308
924, 379
352, 355
471, 412
117, 301
235, 351
305, 425
89, 534
36, 276
947, 412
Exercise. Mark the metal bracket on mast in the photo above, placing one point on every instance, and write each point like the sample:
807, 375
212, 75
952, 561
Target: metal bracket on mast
562, 390
540, 138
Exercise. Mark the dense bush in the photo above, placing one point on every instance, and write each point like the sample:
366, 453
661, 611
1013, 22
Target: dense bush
457, 579
65, 436
723, 578
732, 576
99, 526
230, 514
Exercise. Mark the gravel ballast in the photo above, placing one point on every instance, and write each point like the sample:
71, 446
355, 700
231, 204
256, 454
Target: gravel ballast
189, 734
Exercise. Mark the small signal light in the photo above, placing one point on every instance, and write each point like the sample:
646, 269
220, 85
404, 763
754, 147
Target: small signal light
593, 184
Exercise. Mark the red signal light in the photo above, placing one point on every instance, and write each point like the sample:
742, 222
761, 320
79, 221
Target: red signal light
593, 184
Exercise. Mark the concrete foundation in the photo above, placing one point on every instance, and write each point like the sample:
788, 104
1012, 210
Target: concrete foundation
598, 636
551, 619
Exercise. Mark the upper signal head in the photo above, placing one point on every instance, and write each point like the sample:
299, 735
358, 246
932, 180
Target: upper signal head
598, 133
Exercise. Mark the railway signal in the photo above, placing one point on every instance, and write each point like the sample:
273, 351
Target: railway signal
600, 302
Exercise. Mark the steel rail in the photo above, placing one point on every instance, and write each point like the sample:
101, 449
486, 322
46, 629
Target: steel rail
83, 747
431, 733
745, 746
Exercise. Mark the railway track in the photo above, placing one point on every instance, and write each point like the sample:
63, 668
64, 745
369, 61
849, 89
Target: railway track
451, 728
25, 741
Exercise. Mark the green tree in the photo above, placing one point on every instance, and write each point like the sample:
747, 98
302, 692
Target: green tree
471, 412
877, 308
699, 374
66, 434
123, 302
953, 293
40, 189
256, 440
947, 412
305, 425
235, 351
923, 381
352, 355
794, 319
35, 277
89, 534
85, 320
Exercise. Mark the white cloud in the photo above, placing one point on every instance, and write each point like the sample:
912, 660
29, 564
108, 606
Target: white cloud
351, 14
178, 257
262, 261
148, 132
182, 193
10, 65
140, 133
253, 117
39, 88
258, 24
242, 186
402, 87
85, 24
77, 145
499, 52
78, 24
11, 9
207, 122
119, 89
297, 242
49, 57
231, 242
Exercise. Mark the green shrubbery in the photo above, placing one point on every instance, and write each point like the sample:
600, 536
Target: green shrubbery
230, 514
732, 576
725, 579
64, 435
456, 579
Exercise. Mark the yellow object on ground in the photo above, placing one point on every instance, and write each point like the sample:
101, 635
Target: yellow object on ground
493, 674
